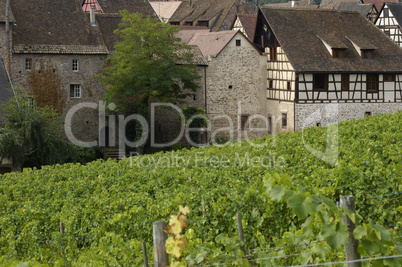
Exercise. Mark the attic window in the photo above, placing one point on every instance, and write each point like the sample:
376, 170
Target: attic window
238, 42
174, 23
203, 23
367, 53
338, 52
386, 13
188, 23
387, 33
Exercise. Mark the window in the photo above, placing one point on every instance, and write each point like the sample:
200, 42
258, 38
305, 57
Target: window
345, 82
203, 23
367, 53
188, 23
230, 87
75, 90
320, 82
271, 84
389, 77
194, 97
269, 125
387, 32
272, 54
372, 83
31, 102
75, 65
289, 87
318, 124
244, 121
367, 113
238, 42
28, 63
174, 23
338, 53
386, 13
284, 120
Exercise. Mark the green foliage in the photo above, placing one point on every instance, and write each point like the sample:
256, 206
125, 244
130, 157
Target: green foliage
108, 207
195, 118
148, 65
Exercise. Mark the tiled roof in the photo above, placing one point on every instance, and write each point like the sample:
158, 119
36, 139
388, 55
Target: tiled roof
212, 43
5, 86
299, 32
87, 4
187, 33
139, 6
59, 49
363, 9
378, 3
3, 12
223, 11
198, 58
396, 10
165, 9
249, 23
107, 24
47, 26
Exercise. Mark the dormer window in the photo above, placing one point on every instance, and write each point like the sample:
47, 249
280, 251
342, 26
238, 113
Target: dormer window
188, 23
338, 52
203, 23
367, 53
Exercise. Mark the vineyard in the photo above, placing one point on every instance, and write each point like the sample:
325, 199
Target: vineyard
285, 193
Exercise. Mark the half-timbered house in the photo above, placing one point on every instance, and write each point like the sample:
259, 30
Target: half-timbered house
321, 73
390, 21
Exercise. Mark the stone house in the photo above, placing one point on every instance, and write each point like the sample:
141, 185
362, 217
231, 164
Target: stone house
62, 37
235, 92
390, 21
321, 73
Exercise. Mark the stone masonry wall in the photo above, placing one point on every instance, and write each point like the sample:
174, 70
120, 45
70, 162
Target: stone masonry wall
235, 87
309, 115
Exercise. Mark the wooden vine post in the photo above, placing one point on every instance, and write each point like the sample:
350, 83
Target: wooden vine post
351, 247
160, 255
144, 254
240, 228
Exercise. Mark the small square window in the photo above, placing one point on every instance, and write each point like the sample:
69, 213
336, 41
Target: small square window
75, 65
244, 121
367, 54
387, 33
28, 63
318, 124
338, 53
367, 113
75, 91
389, 77
238, 42
284, 120
345, 82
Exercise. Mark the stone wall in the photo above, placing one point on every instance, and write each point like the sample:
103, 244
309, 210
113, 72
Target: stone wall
311, 115
235, 87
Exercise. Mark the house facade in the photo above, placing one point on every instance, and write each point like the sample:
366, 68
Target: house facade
389, 21
333, 71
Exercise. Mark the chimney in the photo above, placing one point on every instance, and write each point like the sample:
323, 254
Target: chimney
92, 16
293, 3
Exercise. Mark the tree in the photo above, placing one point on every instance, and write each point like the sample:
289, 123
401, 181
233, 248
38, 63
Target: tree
149, 64
31, 132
